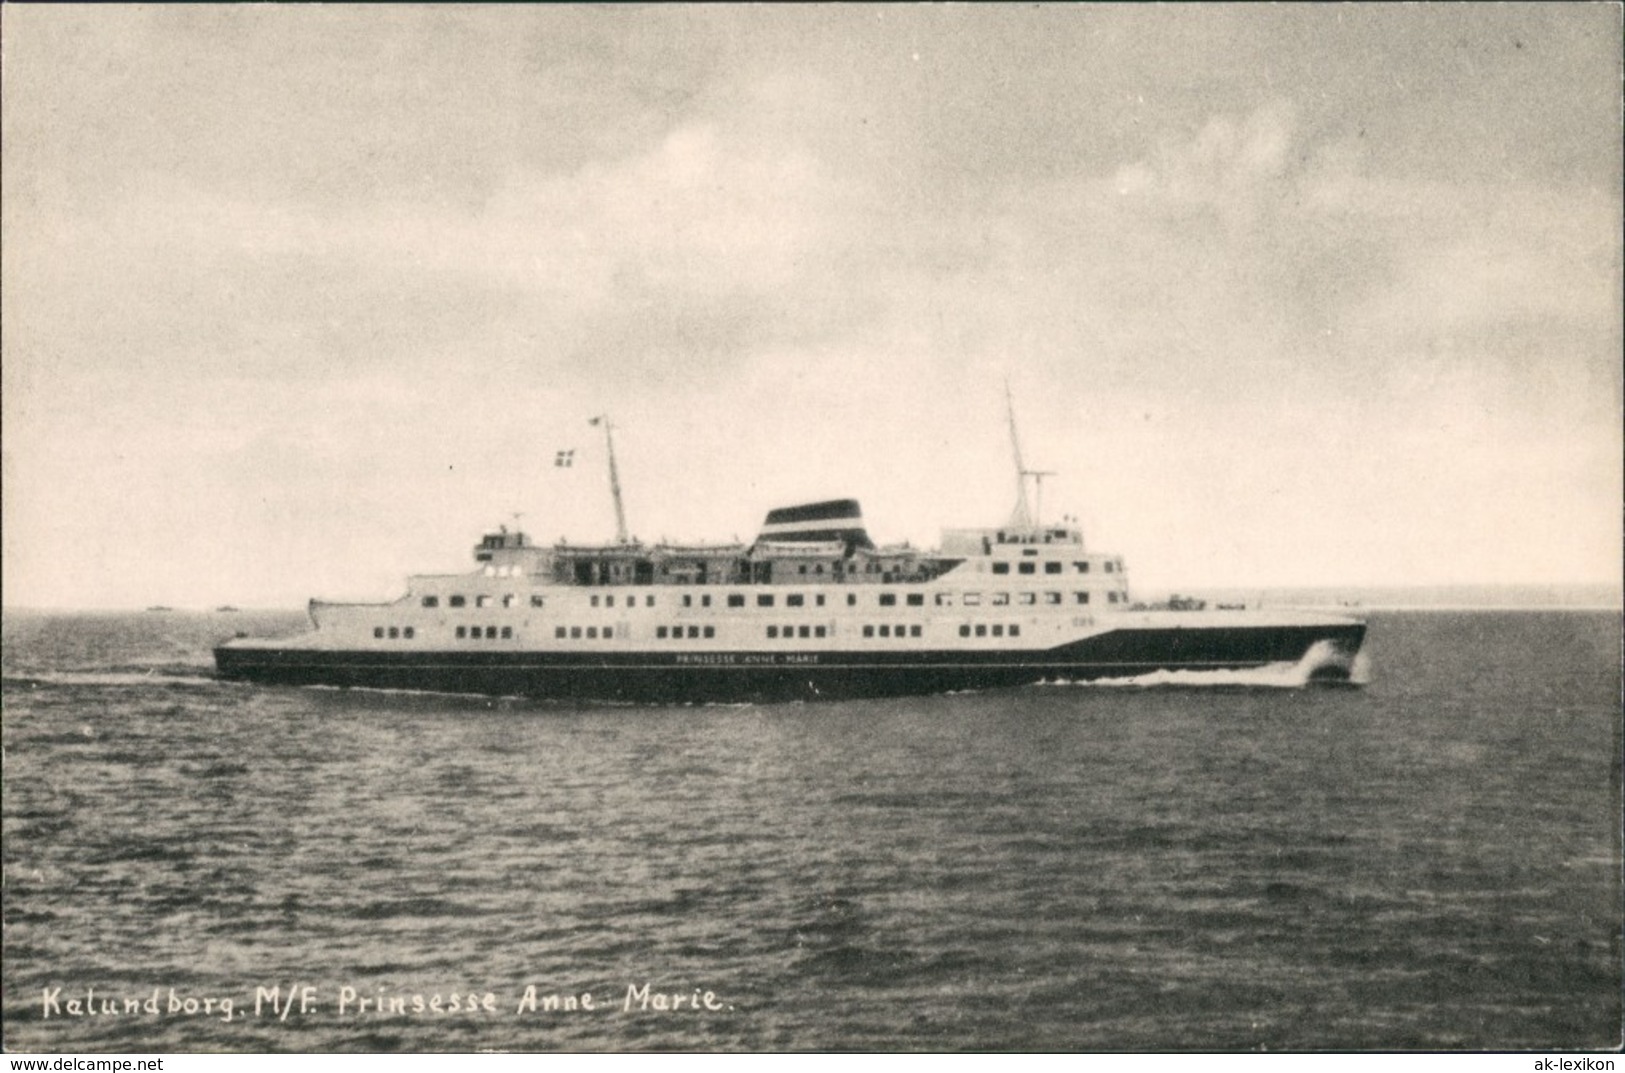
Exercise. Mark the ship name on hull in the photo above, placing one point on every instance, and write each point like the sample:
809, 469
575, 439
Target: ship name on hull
765, 659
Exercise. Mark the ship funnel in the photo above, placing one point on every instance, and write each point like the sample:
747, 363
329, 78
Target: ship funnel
834, 519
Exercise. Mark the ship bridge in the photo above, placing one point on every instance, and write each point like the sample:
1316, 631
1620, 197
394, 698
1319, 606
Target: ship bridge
505, 553
986, 541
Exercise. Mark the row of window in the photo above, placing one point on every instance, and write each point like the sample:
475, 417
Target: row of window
592, 633
632, 601
788, 632
839, 569
965, 630
474, 633
1052, 567
509, 600
998, 630
1023, 599
885, 599
794, 599
676, 632
1031, 538
886, 631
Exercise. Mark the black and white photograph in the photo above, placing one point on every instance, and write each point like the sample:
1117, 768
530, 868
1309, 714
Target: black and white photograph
918, 528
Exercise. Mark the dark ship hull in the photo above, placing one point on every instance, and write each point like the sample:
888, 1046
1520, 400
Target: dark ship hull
1317, 653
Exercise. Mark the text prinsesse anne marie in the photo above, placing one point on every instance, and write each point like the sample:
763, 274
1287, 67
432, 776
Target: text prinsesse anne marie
304, 1000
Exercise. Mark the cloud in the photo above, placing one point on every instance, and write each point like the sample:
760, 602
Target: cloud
1228, 165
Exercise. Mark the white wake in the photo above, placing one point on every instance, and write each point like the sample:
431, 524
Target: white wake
1325, 658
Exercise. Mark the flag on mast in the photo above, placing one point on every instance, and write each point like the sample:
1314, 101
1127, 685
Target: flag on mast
565, 458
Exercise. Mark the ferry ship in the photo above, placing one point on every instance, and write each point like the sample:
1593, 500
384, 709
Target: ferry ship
811, 609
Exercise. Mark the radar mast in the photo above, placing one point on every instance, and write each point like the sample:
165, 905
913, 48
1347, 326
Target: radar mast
1023, 517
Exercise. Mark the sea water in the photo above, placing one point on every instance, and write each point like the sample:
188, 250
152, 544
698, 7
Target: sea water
1429, 861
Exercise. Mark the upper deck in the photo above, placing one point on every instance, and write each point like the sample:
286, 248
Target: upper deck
1034, 550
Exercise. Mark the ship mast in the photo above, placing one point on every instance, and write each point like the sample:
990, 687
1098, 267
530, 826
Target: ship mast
614, 479
1023, 517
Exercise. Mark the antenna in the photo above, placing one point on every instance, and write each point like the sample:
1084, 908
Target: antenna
1022, 516
614, 478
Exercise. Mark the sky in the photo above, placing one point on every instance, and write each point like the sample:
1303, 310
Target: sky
297, 301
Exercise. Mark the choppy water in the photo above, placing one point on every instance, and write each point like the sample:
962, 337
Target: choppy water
1432, 861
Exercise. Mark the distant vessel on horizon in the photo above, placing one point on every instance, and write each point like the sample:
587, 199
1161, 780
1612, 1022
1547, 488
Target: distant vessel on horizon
812, 609
160, 607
